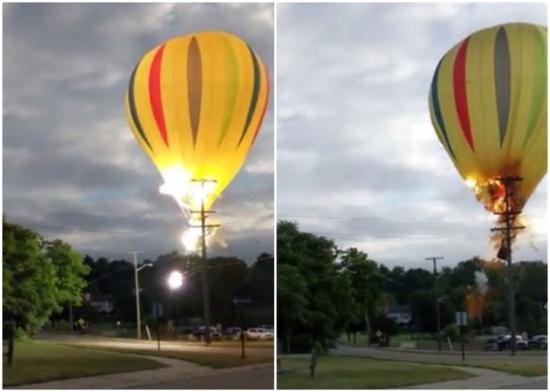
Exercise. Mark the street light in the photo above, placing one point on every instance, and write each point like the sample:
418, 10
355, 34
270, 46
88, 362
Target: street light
175, 280
136, 281
437, 311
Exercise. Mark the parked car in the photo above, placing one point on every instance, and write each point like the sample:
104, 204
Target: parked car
491, 344
503, 342
268, 327
538, 341
232, 333
215, 334
258, 334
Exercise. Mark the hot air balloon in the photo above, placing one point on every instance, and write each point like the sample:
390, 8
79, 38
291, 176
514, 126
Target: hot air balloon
488, 105
195, 104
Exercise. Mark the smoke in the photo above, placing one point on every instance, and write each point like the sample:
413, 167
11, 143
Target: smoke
481, 282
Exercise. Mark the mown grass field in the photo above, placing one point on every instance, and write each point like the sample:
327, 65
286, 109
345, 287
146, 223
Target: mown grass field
360, 373
39, 361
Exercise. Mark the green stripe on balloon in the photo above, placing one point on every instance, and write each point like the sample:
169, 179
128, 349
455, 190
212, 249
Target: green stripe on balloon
255, 92
232, 88
437, 111
133, 111
540, 85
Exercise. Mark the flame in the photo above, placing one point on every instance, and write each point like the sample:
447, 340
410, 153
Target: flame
492, 194
494, 264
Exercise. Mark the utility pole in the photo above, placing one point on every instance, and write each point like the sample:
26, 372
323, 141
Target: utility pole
136, 282
437, 311
204, 268
509, 215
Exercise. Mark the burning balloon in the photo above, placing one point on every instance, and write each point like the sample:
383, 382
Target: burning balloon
488, 105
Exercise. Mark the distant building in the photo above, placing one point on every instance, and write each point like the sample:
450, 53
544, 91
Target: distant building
103, 304
400, 314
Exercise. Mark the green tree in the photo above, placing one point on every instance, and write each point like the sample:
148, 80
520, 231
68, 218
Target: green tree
29, 282
314, 257
291, 302
366, 284
70, 271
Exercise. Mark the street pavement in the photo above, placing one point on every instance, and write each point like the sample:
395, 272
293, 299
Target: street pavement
481, 378
110, 342
258, 377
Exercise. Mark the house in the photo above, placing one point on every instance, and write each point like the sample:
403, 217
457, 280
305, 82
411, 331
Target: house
103, 304
400, 314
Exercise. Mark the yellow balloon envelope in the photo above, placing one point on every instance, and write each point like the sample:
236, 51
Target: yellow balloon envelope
195, 105
488, 105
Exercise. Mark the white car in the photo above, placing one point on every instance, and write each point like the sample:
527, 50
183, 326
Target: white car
258, 334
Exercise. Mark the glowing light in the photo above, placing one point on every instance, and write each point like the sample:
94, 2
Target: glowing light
176, 183
188, 193
190, 239
175, 280
200, 191
471, 183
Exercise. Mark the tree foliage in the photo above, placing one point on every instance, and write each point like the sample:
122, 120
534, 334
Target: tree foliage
324, 291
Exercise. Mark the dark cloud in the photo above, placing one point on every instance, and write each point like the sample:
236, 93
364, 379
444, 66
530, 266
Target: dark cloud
71, 167
358, 160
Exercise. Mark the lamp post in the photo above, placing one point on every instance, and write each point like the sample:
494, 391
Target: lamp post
136, 282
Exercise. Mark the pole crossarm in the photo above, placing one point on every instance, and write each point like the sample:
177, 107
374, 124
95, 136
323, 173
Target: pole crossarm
506, 228
207, 226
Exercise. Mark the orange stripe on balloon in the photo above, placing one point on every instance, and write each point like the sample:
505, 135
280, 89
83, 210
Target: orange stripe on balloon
194, 81
265, 104
461, 99
155, 95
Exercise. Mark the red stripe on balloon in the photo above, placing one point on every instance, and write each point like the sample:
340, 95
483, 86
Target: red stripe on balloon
461, 99
265, 105
155, 95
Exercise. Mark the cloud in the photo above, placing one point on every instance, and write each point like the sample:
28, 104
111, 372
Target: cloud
72, 169
358, 160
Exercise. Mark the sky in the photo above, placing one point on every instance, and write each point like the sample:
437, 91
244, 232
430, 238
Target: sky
357, 157
71, 167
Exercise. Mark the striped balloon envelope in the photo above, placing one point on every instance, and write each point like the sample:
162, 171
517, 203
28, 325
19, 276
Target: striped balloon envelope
488, 105
195, 104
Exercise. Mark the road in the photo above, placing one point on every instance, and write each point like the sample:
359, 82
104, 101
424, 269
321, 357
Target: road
190, 347
434, 356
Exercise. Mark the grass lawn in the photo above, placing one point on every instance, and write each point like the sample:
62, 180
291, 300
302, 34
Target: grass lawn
529, 368
523, 368
360, 373
38, 361
201, 355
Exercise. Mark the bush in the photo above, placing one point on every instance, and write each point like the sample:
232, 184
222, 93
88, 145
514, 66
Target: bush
451, 331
